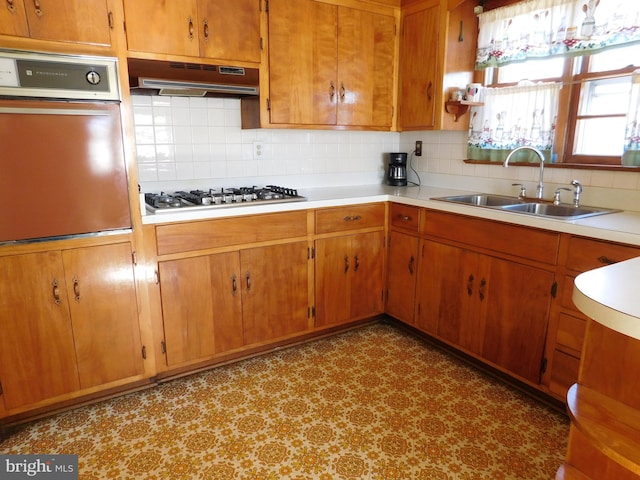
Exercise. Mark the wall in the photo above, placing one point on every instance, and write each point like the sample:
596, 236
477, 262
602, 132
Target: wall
442, 164
198, 143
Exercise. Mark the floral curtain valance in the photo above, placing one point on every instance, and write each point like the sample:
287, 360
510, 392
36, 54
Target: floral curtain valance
543, 28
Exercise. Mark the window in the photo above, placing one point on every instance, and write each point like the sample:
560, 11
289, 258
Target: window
593, 102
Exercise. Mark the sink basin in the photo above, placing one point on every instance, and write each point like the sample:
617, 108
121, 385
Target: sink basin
513, 204
482, 200
567, 212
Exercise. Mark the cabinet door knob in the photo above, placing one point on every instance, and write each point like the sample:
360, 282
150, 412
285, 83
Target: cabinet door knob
248, 280
37, 9
411, 262
55, 292
470, 285
234, 285
483, 284
76, 289
332, 90
205, 30
10, 6
430, 91
606, 260
356, 263
190, 28
346, 263
343, 92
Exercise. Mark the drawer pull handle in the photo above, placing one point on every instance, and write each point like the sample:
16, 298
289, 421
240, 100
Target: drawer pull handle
405, 218
352, 218
606, 260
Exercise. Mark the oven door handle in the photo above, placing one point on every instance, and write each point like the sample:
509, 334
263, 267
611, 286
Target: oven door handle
53, 111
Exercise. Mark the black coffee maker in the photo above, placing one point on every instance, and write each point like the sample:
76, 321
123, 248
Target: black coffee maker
397, 170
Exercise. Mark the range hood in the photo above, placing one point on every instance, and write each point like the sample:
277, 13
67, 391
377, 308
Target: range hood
157, 77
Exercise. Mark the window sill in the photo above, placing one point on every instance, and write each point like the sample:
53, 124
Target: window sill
576, 166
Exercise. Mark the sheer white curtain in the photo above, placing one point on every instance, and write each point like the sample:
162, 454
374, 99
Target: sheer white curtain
631, 155
511, 117
542, 28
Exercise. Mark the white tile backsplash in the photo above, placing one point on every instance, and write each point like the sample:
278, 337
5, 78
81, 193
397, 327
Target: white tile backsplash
199, 143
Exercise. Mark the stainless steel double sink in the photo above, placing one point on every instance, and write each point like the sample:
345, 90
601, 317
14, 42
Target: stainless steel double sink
527, 207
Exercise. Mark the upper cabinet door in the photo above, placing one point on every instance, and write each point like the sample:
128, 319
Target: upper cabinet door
79, 21
365, 68
418, 69
13, 19
302, 62
230, 29
159, 26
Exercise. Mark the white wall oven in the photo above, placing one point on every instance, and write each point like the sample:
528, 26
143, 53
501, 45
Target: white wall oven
62, 167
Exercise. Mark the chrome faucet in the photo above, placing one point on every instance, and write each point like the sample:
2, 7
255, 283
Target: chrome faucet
540, 188
576, 192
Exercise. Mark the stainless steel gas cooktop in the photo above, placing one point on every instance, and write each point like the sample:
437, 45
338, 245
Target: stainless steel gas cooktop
158, 203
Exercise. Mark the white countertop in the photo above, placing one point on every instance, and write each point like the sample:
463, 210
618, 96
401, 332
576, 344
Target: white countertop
623, 227
609, 295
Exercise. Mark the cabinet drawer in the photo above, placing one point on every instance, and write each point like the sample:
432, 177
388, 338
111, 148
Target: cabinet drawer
184, 237
530, 243
349, 218
585, 254
564, 372
404, 216
571, 332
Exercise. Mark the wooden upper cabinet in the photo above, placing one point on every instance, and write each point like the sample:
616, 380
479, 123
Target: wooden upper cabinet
365, 68
437, 54
79, 21
419, 68
302, 80
13, 19
230, 29
158, 26
220, 29
341, 71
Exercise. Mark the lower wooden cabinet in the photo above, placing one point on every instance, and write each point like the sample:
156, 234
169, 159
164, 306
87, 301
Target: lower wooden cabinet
201, 306
69, 321
349, 277
275, 286
567, 324
481, 299
220, 302
402, 272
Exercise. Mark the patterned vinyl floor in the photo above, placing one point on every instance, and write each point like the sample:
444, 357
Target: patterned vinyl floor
374, 403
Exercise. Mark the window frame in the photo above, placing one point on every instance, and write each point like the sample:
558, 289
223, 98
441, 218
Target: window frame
563, 128
568, 114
